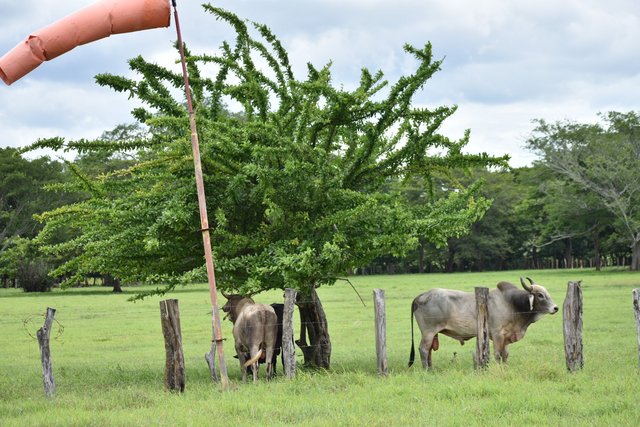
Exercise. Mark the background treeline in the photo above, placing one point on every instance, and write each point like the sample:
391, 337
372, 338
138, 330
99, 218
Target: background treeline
28, 188
531, 224
533, 221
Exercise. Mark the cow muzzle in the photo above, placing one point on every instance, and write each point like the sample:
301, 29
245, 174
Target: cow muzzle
554, 309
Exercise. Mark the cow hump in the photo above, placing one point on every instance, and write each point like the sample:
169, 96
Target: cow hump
506, 286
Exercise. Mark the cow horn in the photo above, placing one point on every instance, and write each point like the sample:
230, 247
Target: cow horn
528, 288
224, 294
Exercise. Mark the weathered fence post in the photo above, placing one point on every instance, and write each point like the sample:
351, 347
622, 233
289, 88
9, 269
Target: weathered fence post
288, 348
481, 357
572, 317
174, 378
210, 357
636, 310
45, 353
381, 331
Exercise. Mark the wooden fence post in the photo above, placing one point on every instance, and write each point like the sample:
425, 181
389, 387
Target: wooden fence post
174, 378
381, 331
210, 357
572, 317
45, 353
288, 348
481, 357
636, 310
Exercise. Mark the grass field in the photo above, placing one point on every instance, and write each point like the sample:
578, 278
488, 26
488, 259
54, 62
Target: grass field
109, 359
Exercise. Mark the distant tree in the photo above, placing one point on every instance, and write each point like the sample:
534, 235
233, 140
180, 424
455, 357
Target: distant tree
21, 192
441, 198
16, 250
574, 215
101, 158
602, 159
295, 182
22, 195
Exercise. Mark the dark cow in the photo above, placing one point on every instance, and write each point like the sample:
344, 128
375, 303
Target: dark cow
279, 309
454, 313
254, 330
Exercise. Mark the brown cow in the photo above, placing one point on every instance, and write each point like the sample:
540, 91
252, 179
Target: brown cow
454, 313
254, 330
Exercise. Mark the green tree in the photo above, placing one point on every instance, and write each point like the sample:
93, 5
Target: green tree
573, 216
602, 159
21, 192
21, 196
494, 241
295, 182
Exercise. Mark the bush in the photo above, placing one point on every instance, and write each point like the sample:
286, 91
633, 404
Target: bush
33, 276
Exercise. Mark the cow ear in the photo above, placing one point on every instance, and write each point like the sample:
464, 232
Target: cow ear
531, 298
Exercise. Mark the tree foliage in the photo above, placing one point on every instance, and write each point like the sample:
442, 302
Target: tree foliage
602, 159
21, 196
295, 180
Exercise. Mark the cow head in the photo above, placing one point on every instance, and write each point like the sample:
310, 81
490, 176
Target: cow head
539, 299
234, 305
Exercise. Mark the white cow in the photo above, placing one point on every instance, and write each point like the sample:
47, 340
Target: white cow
454, 313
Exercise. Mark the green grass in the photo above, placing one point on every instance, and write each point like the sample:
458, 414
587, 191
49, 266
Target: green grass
109, 361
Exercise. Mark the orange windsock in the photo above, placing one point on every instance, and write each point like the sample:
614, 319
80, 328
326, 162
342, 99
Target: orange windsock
92, 23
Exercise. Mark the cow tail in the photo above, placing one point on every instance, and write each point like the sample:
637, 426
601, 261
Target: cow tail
260, 352
412, 355
253, 360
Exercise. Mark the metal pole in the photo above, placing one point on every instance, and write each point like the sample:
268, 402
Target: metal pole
204, 221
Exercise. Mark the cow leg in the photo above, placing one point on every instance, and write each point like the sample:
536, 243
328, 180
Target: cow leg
500, 349
425, 350
255, 367
269, 359
242, 358
505, 353
255, 353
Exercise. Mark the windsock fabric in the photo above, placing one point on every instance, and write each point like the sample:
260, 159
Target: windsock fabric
92, 23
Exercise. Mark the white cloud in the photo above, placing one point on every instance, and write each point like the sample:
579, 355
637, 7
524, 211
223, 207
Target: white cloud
42, 109
506, 62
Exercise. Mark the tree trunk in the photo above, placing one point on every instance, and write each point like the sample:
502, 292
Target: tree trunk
174, 371
568, 255
109, 280
635, 256
421, 257
596, 249
451, 256
313, 322
534, 257
116, 287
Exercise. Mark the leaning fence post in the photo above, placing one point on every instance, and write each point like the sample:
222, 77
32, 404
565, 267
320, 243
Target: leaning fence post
210, 357
174, 378
288, 348
45, 353
481, 357
572, 317
381, 331
636, 310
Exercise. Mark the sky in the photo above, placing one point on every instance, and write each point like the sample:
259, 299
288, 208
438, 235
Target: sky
505, 64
